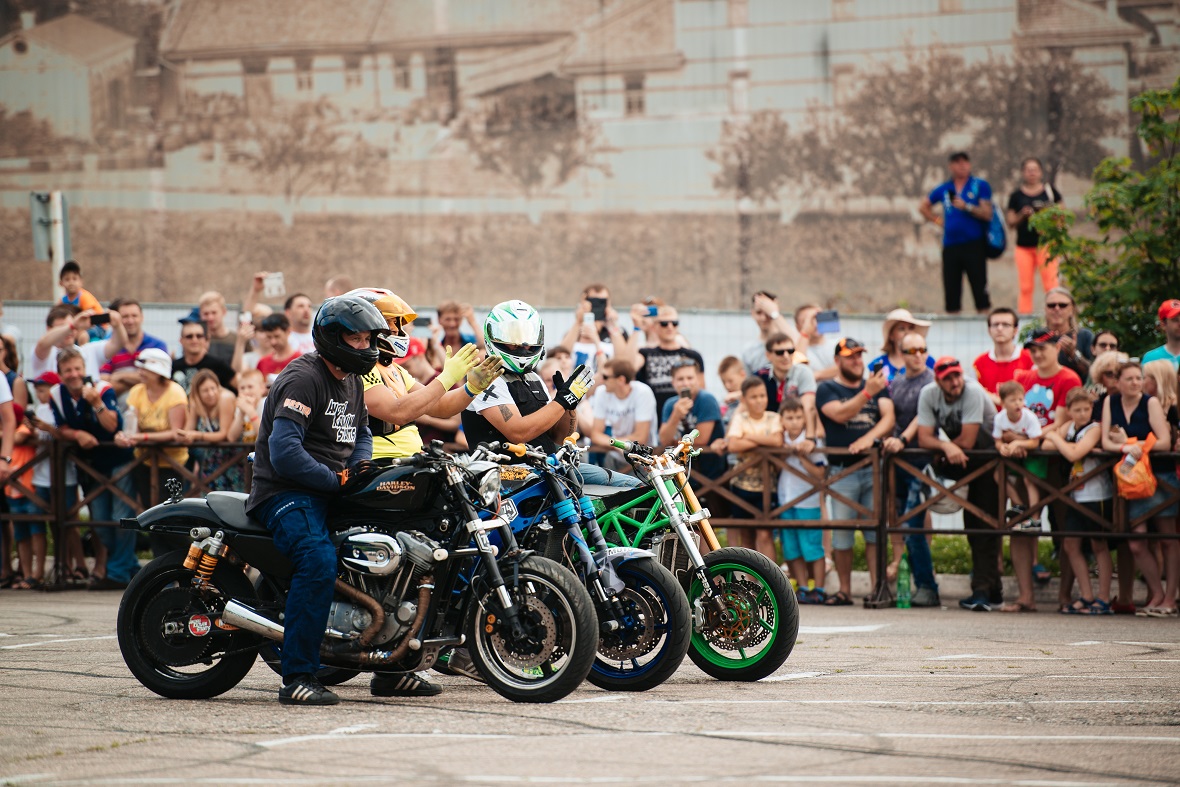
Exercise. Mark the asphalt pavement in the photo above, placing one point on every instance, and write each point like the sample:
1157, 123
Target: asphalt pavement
919, 696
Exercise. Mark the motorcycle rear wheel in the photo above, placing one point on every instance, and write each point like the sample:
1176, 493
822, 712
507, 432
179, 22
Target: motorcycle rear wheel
766, 617
159, 625
649, 652
272, 652
556, 655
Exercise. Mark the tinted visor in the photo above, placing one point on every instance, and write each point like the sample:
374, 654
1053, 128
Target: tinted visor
519, 350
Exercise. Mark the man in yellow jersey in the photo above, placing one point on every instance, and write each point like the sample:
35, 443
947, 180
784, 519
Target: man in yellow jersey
394, 398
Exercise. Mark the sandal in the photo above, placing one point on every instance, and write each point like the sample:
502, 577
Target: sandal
8, 581
841, 599
1100, 607
1158, 612
27, 583
1041, 574
1080, 606
1018, 606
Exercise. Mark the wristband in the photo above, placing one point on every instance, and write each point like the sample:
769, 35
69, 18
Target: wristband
468, 390
774, 315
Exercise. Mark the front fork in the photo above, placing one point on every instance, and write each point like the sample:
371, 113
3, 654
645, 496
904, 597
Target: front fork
605, 583
681, 515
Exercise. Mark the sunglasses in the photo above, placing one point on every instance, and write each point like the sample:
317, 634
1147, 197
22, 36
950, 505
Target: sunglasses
1058, 305
192, 336
666, 323
914, 351
784, 351
942, 367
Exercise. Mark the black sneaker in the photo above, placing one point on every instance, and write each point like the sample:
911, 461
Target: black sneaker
402, 684
457, 661
977, 603
306, 690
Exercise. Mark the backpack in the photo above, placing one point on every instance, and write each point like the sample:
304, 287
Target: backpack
997, 239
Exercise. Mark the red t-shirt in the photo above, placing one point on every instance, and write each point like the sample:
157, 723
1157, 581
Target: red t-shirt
269, 366
1043, 395
992, 373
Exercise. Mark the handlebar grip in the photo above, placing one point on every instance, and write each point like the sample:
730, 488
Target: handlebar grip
692, 436
573, 438
516, 449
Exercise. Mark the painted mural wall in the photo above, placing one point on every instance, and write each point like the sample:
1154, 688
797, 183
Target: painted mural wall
697, 150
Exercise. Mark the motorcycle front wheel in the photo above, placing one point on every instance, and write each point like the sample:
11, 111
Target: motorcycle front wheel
168, 632
650, 643
560, 635
762, 617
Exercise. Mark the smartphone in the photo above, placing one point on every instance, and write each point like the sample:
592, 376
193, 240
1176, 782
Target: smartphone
100, 319
653, 311
588, 318
87, 381
685, 393
598, 308
876, 366
245, 318
422, 322
828, 321
273, 285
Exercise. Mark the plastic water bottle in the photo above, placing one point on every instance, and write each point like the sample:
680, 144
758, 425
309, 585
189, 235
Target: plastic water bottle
903, 582
130, 421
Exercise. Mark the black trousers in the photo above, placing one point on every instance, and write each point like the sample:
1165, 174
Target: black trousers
965, 258
985, 549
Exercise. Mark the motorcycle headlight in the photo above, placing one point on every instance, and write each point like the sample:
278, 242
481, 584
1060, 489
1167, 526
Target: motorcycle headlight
489, 487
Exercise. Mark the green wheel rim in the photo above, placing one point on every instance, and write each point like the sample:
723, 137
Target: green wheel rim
765, 596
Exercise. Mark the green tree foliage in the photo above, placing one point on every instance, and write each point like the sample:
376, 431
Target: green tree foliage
1121, 275
758, 157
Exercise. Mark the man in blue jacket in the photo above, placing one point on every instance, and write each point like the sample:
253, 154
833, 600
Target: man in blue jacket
966, 215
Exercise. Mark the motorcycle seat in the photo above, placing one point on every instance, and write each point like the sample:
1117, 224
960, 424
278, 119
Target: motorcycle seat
230, 508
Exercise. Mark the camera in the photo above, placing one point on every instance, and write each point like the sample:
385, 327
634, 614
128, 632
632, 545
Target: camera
685, 393
598, 308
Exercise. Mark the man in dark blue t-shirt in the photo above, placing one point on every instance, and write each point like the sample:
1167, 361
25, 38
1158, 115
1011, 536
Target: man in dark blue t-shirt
855, 413
966, 213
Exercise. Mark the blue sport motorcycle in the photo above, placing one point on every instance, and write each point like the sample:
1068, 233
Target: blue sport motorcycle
644, 623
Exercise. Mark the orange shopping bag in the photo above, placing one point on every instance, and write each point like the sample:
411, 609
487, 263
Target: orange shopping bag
1137, 482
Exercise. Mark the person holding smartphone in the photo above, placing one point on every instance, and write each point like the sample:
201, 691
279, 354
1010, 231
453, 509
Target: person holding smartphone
120, 369
595, 330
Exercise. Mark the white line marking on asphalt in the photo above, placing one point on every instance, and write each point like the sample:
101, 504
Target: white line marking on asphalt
353, 728
607, 698
53, 642
960, 656
1120, 642
443, 736
794, 676
1155, 661
773, 778
910, 702
1086, 642
949, 736
841, 629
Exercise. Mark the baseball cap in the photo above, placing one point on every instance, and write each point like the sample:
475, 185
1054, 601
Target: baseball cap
1169, 308
848, 347
417, 347
193, 316
959, 155
47, 378
155, 360
947, 364
1041, 336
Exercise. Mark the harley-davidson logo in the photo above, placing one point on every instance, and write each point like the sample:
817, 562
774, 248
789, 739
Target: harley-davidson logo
395, 487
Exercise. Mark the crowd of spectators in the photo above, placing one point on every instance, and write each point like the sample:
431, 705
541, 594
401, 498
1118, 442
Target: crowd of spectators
102, 384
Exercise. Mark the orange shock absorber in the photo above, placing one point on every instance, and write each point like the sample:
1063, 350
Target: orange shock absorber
193, 557
205, 567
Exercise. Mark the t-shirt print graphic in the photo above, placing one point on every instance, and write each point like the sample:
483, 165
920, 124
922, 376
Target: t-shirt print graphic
343, 422
1039, 399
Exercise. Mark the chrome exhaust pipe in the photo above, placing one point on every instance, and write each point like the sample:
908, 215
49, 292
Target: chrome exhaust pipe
238, 614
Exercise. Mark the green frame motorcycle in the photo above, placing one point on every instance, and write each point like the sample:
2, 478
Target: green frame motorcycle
745, 616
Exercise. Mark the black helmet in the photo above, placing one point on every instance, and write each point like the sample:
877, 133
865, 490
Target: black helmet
347, 314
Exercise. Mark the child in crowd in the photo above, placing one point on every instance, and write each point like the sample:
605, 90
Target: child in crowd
1096, 495
752, 427
70, 279
251, 392
1017, 431
29, 537
803, 548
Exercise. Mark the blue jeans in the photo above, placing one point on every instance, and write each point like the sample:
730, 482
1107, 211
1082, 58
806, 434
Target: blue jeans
296, 519
593, 474
122, 562
909, 496
858, 487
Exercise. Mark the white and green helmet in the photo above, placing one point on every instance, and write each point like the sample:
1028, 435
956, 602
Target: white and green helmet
514, 333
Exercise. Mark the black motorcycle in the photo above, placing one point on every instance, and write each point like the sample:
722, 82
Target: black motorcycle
417, 574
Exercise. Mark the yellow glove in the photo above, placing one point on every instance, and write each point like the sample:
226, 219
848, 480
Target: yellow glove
456, 366
484, 374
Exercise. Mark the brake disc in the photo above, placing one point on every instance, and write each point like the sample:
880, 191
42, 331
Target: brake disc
744, 629
640, 637
524, 654
175, 627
